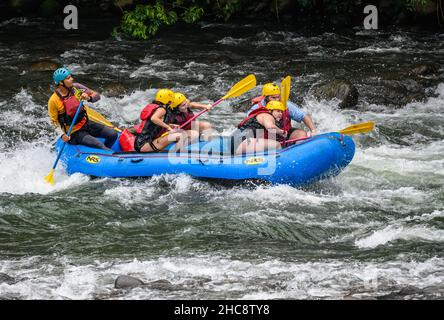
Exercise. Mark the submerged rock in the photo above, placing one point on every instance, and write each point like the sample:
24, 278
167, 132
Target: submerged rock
127, 282
4, 278
397, 93
46, 65
160, 285
343, 90
114, 89
424, 69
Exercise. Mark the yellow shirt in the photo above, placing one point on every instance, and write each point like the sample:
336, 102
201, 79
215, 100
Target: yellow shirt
56, 108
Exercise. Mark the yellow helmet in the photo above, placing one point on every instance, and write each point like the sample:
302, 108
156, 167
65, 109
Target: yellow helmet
270, 89
165, 96
275, 105
179, 98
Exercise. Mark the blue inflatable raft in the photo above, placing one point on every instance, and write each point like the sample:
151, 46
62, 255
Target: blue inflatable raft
309, 160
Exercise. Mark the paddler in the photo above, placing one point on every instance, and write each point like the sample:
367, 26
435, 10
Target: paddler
272, 92
157, 118
262, 129
62, 106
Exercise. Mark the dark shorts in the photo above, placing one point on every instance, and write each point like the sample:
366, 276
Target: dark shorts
90, 131
238, 137
141, 141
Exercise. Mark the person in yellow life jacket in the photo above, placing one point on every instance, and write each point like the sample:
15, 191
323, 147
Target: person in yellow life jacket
262, 129
62, 106
272, 92
182, 113
157, 119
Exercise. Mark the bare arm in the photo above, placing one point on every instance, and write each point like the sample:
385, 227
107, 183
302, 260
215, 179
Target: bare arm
93, 95
157, 119
309, 123
267, 120
196, 105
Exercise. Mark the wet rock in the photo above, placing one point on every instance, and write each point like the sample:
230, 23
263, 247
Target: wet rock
160, 285
409, 290
398, 93
127, 282
114, 89
4, 278
424, 69
402, 293
343, 90
46, 65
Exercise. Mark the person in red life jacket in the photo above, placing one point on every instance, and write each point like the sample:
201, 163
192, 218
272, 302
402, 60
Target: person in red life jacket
262, 129
272, 92
157, 119
182, 111
62, 106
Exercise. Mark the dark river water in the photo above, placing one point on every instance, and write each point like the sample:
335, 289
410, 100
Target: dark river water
374, 231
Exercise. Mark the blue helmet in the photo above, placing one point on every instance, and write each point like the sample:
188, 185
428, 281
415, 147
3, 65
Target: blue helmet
60, 74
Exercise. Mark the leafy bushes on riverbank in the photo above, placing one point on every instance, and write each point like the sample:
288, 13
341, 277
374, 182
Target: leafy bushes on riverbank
142, 19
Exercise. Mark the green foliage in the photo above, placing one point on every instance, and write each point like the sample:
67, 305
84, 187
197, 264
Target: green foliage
305, 3
228, 9
145, 20
193, 14
412, 4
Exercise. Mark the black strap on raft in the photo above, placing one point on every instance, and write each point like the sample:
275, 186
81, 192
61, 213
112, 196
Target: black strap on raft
151, 143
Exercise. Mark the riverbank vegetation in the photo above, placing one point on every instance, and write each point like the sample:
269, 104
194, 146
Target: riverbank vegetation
142, 19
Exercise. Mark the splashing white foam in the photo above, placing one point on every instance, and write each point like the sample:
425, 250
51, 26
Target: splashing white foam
392, 233
23, 170
218, 277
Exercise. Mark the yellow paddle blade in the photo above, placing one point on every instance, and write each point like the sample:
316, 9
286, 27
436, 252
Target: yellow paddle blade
97, 117
241, 87
285, 90
50, 177
359, 128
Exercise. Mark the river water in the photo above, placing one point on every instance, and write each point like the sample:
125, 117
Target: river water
374, 231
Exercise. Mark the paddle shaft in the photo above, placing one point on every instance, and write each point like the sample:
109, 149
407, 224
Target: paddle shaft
294, 140
201, 112
69, 133
354, 129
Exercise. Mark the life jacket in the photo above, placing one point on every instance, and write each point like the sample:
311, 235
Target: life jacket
250, 122
180, 118
71, 102
286, 120
145, 128
145, 115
